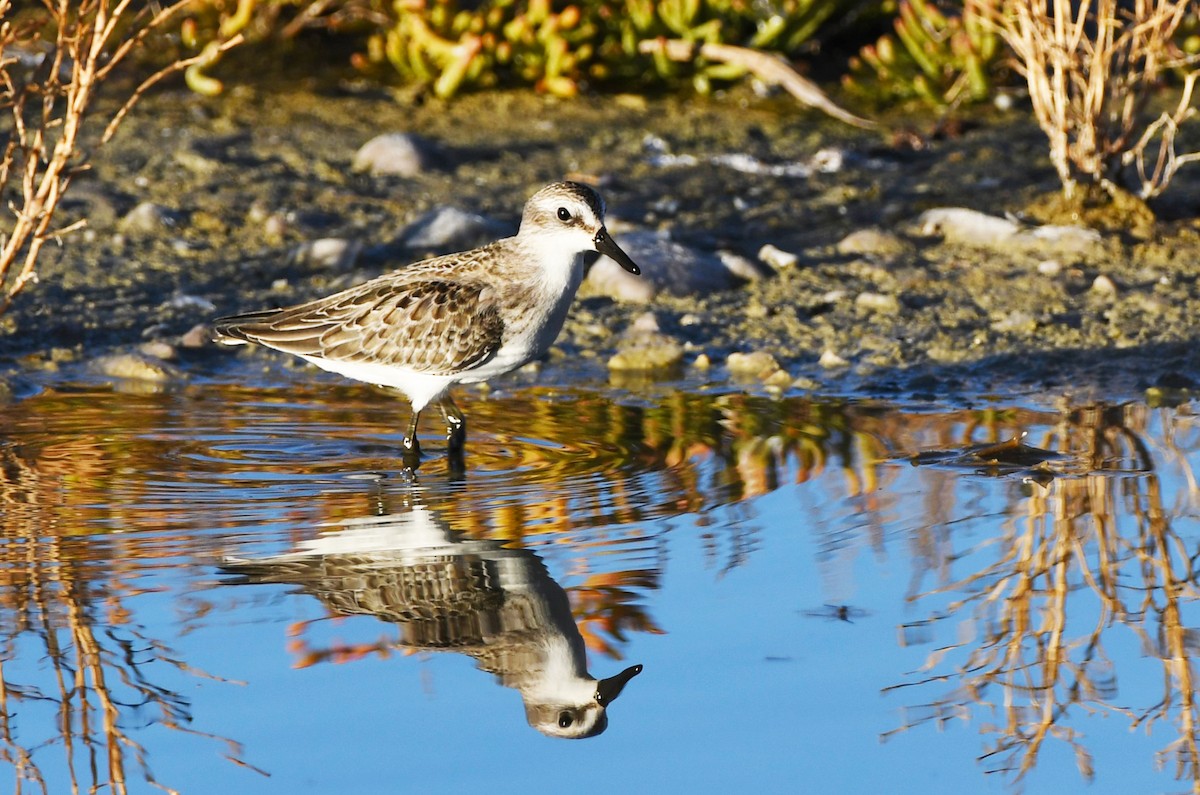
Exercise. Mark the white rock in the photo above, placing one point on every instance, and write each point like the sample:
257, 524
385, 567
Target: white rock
667, 267
970, 227
448, 229
757, 364
829, 359
148, 218
878, 302
1102, 285
327, 252
396, 154
777, 258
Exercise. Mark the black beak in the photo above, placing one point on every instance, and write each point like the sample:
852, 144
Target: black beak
608, 689
606, 246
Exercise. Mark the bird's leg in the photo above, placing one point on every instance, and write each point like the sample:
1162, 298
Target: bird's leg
412, 448
456, 432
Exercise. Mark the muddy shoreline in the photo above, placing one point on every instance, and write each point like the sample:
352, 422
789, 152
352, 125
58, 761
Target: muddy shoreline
239, 182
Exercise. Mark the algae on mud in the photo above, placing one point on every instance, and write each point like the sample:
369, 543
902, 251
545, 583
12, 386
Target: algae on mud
243, 179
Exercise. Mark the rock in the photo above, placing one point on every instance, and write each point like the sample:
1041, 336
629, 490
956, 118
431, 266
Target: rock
778, 380
872, 240
878, 302
830, 360
643, 347
1104, 286
196, 163
667, 267
148, 218
327, 252
183, 301
1049, 267
777, 258
157, 349
741, 267
446, 229
1018, 321
198, 336
136, 367
397, 155
960, 225
758, 364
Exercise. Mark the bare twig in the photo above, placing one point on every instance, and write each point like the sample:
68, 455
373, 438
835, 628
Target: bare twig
48, 113
1091, 67
769, 68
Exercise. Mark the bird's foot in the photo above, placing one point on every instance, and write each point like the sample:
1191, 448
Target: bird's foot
411, 457
456, 437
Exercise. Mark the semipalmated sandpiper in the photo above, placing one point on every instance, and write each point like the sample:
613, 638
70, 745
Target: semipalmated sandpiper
460, 318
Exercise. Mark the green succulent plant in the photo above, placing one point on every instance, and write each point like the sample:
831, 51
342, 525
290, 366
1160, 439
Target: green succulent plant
935, 56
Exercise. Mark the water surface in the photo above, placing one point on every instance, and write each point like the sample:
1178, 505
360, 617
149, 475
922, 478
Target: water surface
222, 588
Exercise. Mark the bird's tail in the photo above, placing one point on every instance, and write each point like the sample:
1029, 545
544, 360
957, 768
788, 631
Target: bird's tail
232, 330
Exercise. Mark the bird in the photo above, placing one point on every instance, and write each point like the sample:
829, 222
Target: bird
448, 592
459, 318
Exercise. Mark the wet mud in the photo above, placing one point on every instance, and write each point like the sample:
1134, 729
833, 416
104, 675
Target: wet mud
198, 208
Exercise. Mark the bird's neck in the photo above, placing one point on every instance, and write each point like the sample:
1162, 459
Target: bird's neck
559, 266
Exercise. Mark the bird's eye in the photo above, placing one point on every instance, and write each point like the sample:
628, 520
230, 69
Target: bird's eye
564, 214
564, 718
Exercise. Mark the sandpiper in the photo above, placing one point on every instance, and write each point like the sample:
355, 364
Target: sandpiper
460, 318
448, 592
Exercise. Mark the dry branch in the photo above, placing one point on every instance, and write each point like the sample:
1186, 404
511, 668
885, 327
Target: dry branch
1091, 68
49, 109
768, 68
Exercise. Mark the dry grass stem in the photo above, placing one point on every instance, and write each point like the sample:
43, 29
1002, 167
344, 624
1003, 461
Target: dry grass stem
51, 107
1091, 68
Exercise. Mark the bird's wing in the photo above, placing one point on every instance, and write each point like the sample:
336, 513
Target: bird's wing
428, 324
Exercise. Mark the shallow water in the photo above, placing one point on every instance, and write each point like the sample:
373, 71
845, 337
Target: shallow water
235, 589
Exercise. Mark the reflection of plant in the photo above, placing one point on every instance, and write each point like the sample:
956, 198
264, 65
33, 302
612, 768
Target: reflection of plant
100, 661
605, 604
1029, 665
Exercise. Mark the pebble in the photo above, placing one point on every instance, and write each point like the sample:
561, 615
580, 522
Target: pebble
777, 258
136, 367
198, 336
397, 155
1018, 321
873, 240
196, 163
757, 364
148, 218
1104, 286
878, 302
668, 266
185, 301
830, 360
157, 349
960, 225
643, 347
446, 229
328, 252
1050, 267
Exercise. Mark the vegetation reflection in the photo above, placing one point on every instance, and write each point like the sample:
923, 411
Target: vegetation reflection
1085, 543
99, 676
1037, 602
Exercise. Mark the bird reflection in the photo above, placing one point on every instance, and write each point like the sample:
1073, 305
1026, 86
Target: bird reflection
448, 592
